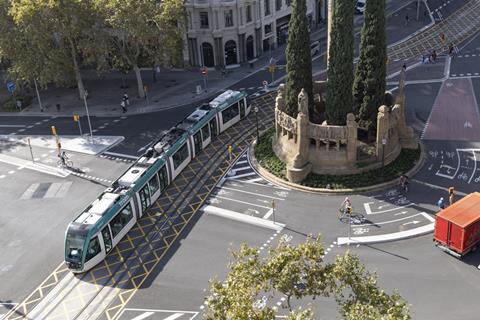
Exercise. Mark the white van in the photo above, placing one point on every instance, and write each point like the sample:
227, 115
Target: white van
360, 6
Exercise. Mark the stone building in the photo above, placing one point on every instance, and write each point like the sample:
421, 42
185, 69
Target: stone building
229, 32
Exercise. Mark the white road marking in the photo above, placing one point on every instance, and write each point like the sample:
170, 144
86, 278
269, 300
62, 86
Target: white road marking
253, 193
2, 176
369, 211
243, 175
12, 125
242, 162
390, 221
174, 316
120, 155
255, 180
11, 172
268, 214
143, 315
30, 191
411, 222
239, 201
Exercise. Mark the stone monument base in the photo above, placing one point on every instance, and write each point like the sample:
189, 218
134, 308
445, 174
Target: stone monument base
298, 174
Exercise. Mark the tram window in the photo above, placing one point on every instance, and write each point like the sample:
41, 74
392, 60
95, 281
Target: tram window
162, 175
205, 132
180, 156
121, 220
144, 198
93, 248
230, 113
197, 141
153, 183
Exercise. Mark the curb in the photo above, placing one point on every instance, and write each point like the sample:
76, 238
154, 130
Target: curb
276, 180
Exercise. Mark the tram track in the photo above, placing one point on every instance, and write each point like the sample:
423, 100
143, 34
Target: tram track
455, 29
105, 290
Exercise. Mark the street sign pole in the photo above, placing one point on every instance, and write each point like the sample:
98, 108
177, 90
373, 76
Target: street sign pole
273, 210
88, 115
31, 151
38, 94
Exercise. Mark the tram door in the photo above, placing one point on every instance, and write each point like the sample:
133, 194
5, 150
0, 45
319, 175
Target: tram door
242, 108
144, 198
107, 239
213, 127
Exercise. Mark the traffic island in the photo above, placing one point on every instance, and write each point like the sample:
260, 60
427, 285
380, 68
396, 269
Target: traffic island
264, 160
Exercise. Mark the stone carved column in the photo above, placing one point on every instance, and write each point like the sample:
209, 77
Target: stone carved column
382, 131
352, 128
300, 167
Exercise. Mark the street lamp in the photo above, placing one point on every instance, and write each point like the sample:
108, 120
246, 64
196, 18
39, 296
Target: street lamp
256, 120
85, 94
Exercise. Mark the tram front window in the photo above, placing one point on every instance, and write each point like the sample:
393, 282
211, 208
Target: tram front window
74, 246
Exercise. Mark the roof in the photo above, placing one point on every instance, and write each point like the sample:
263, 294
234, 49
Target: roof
463, 212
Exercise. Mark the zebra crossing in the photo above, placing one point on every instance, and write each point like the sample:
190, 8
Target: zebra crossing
46, 190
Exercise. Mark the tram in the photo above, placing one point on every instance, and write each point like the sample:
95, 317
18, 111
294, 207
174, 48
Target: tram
101, 226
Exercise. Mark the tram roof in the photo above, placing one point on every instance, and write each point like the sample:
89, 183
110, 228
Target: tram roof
226, 98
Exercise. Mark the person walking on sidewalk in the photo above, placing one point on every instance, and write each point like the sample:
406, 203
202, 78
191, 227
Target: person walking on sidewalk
124, 108
406, 20
125, 98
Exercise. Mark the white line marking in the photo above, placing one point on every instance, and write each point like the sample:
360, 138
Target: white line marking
368, 211
255, 180
144, 315
268, 214
239, 201
243, 168
259, 184
12, 126
242, 162
2, 176
174, 316
253, 193
11, 172
243, 175
386, 222
120, 155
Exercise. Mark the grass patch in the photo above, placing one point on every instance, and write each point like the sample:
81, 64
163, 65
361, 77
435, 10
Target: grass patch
404, 162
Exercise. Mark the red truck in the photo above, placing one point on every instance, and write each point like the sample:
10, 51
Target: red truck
457, 227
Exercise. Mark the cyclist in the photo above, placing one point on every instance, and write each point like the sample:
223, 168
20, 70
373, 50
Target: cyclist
346, 205
63, 157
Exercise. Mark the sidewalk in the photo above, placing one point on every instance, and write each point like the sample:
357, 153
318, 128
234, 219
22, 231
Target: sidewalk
171, 88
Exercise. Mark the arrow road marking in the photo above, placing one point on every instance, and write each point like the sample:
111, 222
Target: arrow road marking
369, 211
403, 212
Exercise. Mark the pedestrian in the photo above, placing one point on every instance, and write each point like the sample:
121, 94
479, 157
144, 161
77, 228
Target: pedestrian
404, 67
451, 50
441, 203
124, 108
125, 98
434, 56
424, 59
58, 107
406, 20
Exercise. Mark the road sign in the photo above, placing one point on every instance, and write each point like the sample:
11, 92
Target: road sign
11, 86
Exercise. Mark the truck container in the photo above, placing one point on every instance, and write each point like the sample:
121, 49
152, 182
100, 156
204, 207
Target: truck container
457, 227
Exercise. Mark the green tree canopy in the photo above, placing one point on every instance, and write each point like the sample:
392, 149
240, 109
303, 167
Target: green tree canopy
369, 84
299, 60
299, 272
340, 65
55, 33
137, 32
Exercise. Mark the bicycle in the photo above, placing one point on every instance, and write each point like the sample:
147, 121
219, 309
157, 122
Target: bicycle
343, 214
65, 162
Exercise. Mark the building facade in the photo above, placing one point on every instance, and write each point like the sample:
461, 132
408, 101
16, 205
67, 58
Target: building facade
229, 32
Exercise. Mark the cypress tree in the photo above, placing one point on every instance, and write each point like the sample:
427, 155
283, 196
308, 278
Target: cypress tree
340, 65
369, 86
299, 60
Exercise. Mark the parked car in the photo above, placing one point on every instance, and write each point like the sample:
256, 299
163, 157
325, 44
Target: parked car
315, 48
360, 6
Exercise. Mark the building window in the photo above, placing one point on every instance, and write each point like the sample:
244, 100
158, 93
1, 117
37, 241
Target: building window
278, 5
204, 20
229, 18
267, 7
268, 28
248, 13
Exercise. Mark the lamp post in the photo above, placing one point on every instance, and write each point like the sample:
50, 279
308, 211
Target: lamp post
256, 120
85, 94
384, 143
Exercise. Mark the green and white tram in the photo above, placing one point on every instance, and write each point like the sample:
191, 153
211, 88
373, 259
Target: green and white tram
101, 226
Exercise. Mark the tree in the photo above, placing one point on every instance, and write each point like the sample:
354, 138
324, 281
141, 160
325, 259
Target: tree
340, 65
369, 85
56, 29
298, 272
299, 60
142, 32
